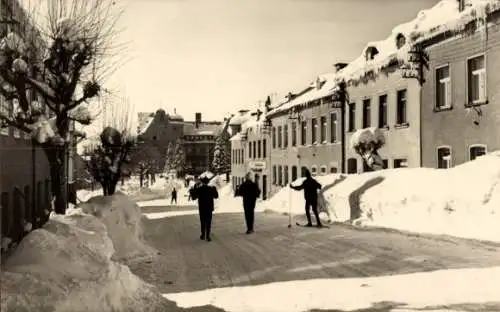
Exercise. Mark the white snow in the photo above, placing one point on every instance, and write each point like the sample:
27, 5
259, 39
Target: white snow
67, 266
463, 201
412, 291
367, 135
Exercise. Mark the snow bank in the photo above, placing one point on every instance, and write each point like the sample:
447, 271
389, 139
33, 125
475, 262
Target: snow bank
463, 201
122, 218
67, 266
409, 292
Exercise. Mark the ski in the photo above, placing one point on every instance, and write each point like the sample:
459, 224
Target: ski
314, 226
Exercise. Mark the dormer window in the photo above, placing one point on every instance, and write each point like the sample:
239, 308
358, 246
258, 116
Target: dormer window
370, 53
400, 41
318, 83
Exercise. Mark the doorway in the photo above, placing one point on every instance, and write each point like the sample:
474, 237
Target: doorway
264, 187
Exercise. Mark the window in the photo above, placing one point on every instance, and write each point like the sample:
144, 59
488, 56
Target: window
352, 117
400, 163
476, 151
264, 148
285, 175
401, 108
280, 175
285, 136
386, 163
444, 157
352, 165
303, 133
323, 170
294, 134
294, 173
314, 128
254, 149
303, 171
333, 170
323, 129
382, 111
249, 150
274, 137
400, 41
443, 87
476, 74
333, 127
314, 171
274, 175
366, 113
259, 149
280, 137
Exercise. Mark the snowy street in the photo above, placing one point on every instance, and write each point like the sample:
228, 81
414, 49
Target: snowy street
278, 254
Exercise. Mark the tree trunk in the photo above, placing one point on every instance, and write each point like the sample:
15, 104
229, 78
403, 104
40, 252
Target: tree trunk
61, 192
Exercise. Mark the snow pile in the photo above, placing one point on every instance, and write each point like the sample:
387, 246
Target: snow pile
458, 291
288, 201
122, 217
67, 266
463, 201
366, 136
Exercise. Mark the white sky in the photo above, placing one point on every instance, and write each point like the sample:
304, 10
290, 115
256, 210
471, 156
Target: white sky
217, 56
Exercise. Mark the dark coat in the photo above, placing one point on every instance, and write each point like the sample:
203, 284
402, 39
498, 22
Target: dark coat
310, 187
205, 195
250, 191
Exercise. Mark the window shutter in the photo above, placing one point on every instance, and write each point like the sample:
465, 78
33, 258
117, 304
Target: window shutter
481, 77
447, 87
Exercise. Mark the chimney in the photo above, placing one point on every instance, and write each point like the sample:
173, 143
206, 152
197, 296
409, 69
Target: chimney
197, 119
461, 5
339, 66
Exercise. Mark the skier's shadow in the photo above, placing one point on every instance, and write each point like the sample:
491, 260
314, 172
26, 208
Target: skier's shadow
354, 197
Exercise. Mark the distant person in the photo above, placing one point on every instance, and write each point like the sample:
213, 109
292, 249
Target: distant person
310, 187
174, 196
250, 191
205, 195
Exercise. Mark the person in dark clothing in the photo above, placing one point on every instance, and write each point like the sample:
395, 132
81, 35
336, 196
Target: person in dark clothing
174, 196
205, 195
310, 187
250, 191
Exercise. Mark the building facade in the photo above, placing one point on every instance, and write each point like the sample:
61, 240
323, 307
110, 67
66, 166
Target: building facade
250, 151
309, 138
159, 130
461, 98
391, 103
25, 185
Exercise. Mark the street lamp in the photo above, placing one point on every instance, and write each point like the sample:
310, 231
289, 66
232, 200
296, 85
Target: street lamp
294, 114
339, 101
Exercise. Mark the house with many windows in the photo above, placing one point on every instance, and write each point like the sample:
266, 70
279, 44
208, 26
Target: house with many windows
461, 95
250, 150
305, 133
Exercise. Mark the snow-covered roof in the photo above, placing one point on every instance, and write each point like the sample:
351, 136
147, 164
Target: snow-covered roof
442, 17
327, 87
240, 118
145, 127
236, 137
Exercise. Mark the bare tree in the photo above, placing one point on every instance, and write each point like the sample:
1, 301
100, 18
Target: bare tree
55, 59
112, 150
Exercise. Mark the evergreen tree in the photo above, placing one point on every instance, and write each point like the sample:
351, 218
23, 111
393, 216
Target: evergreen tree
179, 163
169, 158
221, 162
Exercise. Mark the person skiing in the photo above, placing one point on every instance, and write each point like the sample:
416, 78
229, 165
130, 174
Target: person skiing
249, 191
174, 196
310, 187
205, 194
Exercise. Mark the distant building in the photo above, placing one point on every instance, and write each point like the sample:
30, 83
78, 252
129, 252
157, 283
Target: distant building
197, 137
250, 148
